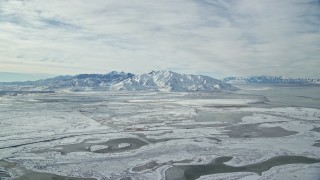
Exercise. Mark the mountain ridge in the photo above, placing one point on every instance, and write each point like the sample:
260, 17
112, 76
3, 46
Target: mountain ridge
171, 81
271, 80
162, 80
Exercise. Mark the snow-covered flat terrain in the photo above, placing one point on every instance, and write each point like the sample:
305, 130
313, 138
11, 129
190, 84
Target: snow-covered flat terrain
157, 135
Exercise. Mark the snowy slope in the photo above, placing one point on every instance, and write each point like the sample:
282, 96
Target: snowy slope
91, 80
154, 81
171, 81
81, 80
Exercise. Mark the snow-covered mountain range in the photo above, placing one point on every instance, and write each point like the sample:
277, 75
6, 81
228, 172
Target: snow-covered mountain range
171, 81
271, 80
81, 80
117, 81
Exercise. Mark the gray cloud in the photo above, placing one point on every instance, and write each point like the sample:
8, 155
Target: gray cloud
214, 37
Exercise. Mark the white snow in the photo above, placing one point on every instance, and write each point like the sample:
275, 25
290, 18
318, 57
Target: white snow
171, 81
169, 125
98, 147
124, 145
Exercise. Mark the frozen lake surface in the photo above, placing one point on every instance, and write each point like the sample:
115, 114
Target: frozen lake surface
256, 133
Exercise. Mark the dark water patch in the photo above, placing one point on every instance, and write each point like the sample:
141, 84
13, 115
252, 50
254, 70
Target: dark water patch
255, 131
126, 178
112, 146
317, 144
215, 139
316, 129
191, 172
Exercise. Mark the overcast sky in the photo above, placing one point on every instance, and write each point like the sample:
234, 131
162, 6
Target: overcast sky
213, 37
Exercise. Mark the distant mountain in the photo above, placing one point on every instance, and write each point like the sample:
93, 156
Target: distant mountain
171, 81
271, 80
81, 80
117, 81
86, 80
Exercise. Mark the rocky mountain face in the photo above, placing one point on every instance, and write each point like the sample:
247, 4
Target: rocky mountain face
171, 81
117, 81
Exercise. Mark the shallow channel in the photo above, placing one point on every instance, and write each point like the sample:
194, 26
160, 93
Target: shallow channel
191, 172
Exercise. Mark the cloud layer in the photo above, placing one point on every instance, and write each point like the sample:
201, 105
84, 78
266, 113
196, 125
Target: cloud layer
213, 37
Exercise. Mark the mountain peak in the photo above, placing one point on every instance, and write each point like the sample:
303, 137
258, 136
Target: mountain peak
162, 80
165, 80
